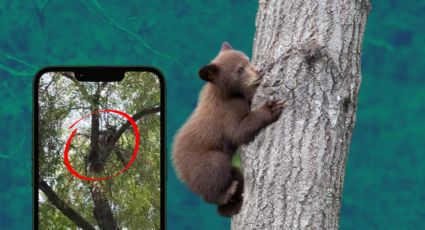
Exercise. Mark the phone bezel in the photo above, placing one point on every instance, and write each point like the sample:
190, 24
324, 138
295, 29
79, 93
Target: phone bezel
107, 74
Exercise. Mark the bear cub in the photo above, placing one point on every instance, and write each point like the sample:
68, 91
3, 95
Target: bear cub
222, 121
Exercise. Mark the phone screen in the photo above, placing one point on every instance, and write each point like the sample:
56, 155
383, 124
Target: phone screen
98, 148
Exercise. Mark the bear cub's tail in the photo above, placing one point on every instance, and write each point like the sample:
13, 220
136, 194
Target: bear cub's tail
234, 204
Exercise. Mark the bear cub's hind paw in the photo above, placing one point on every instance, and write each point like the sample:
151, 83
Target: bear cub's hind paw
229, 193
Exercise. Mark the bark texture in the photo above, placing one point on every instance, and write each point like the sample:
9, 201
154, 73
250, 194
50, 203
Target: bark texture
294, 170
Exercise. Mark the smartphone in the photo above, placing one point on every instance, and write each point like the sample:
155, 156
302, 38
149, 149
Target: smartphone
98, 149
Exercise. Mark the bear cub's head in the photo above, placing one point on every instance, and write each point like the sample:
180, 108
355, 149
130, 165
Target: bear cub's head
232, 72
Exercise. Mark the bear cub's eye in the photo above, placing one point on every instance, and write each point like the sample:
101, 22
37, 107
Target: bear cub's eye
240, 69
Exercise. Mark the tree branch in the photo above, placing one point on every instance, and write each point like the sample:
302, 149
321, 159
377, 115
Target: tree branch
64, 207
136, 116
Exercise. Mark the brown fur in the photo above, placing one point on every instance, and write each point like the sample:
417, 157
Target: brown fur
221, 122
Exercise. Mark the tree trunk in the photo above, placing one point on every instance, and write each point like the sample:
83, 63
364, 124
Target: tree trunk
294, 169
102, 210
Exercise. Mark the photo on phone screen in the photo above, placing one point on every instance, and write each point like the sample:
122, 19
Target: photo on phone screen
98, 148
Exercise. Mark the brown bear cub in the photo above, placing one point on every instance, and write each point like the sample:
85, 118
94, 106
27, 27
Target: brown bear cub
221, 122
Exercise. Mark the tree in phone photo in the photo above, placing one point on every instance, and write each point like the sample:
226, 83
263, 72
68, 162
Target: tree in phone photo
101, 148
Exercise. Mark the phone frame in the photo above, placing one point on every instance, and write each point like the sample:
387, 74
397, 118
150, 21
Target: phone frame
105, 73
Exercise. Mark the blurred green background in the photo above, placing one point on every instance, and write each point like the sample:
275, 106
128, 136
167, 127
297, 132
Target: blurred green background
385, 177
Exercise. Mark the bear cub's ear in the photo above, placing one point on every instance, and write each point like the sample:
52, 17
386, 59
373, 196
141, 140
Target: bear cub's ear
209, 72
226, 46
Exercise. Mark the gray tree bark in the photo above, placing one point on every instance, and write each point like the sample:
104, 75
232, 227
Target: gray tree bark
294, 169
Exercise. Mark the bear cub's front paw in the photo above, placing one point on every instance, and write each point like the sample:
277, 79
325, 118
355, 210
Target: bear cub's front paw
273, 110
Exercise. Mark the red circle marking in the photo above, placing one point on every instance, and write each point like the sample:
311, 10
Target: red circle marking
133, 157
